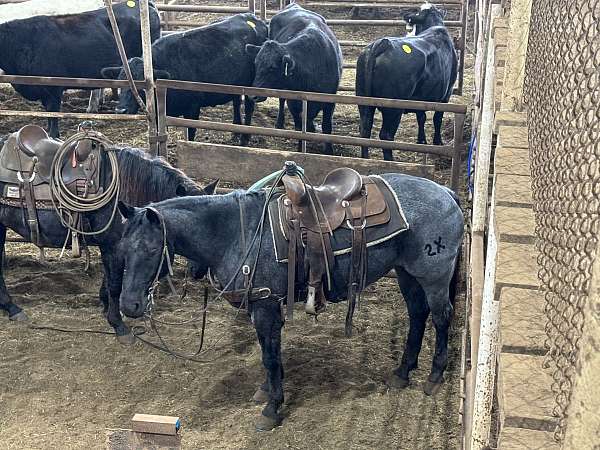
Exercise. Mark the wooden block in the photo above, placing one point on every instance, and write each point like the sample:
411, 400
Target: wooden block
150, 423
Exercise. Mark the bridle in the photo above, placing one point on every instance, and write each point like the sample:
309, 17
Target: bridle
164, 256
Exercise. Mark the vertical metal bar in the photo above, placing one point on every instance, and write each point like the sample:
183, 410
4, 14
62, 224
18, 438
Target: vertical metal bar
464, 11
161, 115
459, 122
304, 122
149, 76
263, 9
252, 6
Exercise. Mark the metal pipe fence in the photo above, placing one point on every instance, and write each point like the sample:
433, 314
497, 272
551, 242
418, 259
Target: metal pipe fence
453, 151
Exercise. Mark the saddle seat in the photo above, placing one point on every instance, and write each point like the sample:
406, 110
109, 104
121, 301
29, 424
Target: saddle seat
28, 154
332, 201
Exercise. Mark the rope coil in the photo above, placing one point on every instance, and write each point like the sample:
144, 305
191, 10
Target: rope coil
67, 202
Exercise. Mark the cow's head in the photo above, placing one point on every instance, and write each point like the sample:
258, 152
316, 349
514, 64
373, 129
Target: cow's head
274, 65
127, 103
427, 16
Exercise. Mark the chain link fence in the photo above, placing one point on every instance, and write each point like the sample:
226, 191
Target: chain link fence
562, 95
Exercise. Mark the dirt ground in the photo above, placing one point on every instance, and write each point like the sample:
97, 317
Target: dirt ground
68, 390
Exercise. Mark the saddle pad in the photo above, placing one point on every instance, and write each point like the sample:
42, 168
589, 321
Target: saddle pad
341, 242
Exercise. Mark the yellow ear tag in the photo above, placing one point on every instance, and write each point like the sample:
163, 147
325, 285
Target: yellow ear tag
406, 48
252, 24
131, 4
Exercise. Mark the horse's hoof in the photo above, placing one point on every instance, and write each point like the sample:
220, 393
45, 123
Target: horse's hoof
19, 317
260, 396
431, 388
265, 423
395, 382
126, 339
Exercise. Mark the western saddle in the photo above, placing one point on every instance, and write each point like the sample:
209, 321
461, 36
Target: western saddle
26, 161
345, 199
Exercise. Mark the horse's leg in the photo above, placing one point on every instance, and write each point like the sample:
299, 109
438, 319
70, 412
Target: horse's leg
14, 312
248, 111
366, 125
421, 118
113, 270
328, 109
280, 123
437, 293
391, 122
103, 295
437, 127
268, 323
418, 311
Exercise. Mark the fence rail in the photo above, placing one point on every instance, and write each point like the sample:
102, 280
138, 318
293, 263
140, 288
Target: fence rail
453, 151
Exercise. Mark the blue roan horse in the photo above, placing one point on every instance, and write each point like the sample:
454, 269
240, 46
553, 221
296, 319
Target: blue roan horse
208, 231
143, 179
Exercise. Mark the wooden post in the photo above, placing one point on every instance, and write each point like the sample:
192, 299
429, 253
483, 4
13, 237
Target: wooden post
149, 76
459, 122
464, 13
252, 6
304, 122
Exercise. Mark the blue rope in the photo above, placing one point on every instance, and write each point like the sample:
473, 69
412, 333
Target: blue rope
472, 151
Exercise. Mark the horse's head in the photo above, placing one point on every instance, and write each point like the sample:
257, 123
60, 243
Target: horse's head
144, 257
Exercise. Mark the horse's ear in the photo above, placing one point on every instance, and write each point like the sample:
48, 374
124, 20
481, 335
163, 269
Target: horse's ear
211, 188
126, 210
152, 216
181, 191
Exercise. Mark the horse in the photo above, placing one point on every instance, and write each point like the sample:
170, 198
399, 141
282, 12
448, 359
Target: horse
143, 179
208, 230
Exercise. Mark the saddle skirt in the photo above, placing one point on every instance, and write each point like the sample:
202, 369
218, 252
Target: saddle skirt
384, 219
29, 153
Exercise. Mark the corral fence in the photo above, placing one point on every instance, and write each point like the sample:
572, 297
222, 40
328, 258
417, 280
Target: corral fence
562, 98
259, 7
453, 151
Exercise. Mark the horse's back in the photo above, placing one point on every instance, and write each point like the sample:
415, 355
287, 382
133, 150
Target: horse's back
430, 246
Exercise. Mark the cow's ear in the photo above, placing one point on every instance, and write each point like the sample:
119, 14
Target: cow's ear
163, 74
111, 73
252, 50
210, 188
288, 65
126, 211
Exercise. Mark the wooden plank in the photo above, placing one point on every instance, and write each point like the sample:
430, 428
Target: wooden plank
509, 118
72, 83
245, 165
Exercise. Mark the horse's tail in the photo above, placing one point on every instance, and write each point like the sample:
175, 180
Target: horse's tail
378, 48
453, 288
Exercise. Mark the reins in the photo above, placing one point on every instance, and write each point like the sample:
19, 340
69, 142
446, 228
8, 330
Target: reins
222, 292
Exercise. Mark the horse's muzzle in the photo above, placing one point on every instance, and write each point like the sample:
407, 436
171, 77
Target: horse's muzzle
133, 309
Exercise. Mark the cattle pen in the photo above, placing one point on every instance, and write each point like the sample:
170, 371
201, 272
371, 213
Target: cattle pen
523, 369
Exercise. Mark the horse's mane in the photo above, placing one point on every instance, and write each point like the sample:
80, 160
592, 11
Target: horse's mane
146, 179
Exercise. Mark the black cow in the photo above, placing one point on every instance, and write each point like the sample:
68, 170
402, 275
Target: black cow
76, 45
302, 54
420, 67
210, 54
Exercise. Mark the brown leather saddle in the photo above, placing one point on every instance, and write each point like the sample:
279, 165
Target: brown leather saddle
311, 217
26, 161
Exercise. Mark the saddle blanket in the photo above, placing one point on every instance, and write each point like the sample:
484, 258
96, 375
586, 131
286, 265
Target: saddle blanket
341, 241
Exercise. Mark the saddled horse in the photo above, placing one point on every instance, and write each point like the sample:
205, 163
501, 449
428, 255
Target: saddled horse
208, 230
143, 179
